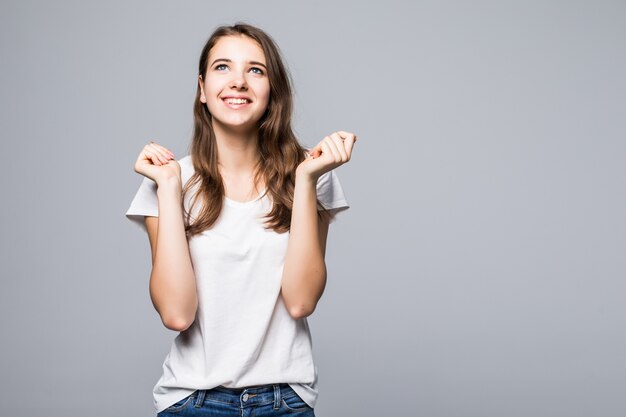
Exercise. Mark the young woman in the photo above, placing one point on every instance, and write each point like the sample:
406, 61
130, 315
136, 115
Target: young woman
237, 231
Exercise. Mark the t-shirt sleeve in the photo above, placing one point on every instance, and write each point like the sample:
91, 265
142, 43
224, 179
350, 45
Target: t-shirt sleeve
330, 194
145, 203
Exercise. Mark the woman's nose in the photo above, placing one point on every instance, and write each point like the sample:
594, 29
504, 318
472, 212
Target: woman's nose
238, 82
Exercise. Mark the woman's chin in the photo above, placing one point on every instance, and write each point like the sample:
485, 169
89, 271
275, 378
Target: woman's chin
237, 126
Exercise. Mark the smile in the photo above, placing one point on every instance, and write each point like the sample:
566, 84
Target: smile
235, 103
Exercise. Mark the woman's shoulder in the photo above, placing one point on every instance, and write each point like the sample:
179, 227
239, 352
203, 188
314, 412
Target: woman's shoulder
186, 168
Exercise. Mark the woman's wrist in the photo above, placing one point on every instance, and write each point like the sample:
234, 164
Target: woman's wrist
305, 177
169, 186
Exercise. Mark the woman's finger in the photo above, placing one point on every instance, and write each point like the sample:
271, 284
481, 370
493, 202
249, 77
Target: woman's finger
349, 140
158, 153
316, 150
165, 150
334, 151
326, 148
339, 142
161, 150
349, 144
149, 155
345, 134
156, 158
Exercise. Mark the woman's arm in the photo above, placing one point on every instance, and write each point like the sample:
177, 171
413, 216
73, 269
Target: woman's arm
172, 280
304, 273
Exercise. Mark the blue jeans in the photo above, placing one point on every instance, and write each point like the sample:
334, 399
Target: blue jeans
275, 400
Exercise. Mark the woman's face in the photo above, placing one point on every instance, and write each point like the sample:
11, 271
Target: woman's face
236, 68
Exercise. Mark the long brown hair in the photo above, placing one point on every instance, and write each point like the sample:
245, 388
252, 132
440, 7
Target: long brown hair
280, 151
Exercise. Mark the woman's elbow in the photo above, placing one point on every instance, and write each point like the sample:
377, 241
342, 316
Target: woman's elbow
176, 323
297, 308
299, 311
177, 319
303, 302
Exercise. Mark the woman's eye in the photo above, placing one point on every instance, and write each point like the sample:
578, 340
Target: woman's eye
260, 71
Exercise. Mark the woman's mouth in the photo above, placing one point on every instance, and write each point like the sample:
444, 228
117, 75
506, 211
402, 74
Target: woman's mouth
236, 103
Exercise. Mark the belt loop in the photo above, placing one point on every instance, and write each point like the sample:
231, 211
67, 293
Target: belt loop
277, 396
200, 399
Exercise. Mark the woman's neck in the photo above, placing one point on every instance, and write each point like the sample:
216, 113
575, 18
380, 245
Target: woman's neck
237, 153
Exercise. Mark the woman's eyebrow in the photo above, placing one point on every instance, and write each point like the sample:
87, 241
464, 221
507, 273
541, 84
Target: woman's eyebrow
230, 60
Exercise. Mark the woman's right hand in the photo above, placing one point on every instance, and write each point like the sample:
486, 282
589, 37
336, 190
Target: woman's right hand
157, 163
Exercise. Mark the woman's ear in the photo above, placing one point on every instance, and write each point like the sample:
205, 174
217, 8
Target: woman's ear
202, 96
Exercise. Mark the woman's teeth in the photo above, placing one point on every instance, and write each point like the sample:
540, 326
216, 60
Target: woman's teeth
236, 100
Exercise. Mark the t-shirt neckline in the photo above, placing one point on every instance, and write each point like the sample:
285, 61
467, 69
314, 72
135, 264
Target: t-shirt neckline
244, 203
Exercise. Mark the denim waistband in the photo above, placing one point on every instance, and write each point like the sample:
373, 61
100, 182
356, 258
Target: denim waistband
246, 396
256, 389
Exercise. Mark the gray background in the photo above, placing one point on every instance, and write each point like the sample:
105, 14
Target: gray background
479, 272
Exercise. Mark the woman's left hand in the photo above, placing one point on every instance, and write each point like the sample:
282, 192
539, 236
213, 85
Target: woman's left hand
334, 150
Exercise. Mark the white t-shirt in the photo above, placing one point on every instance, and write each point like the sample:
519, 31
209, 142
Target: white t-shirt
242, 334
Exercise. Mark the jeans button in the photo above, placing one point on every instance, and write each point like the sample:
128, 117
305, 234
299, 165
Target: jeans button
245, 397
